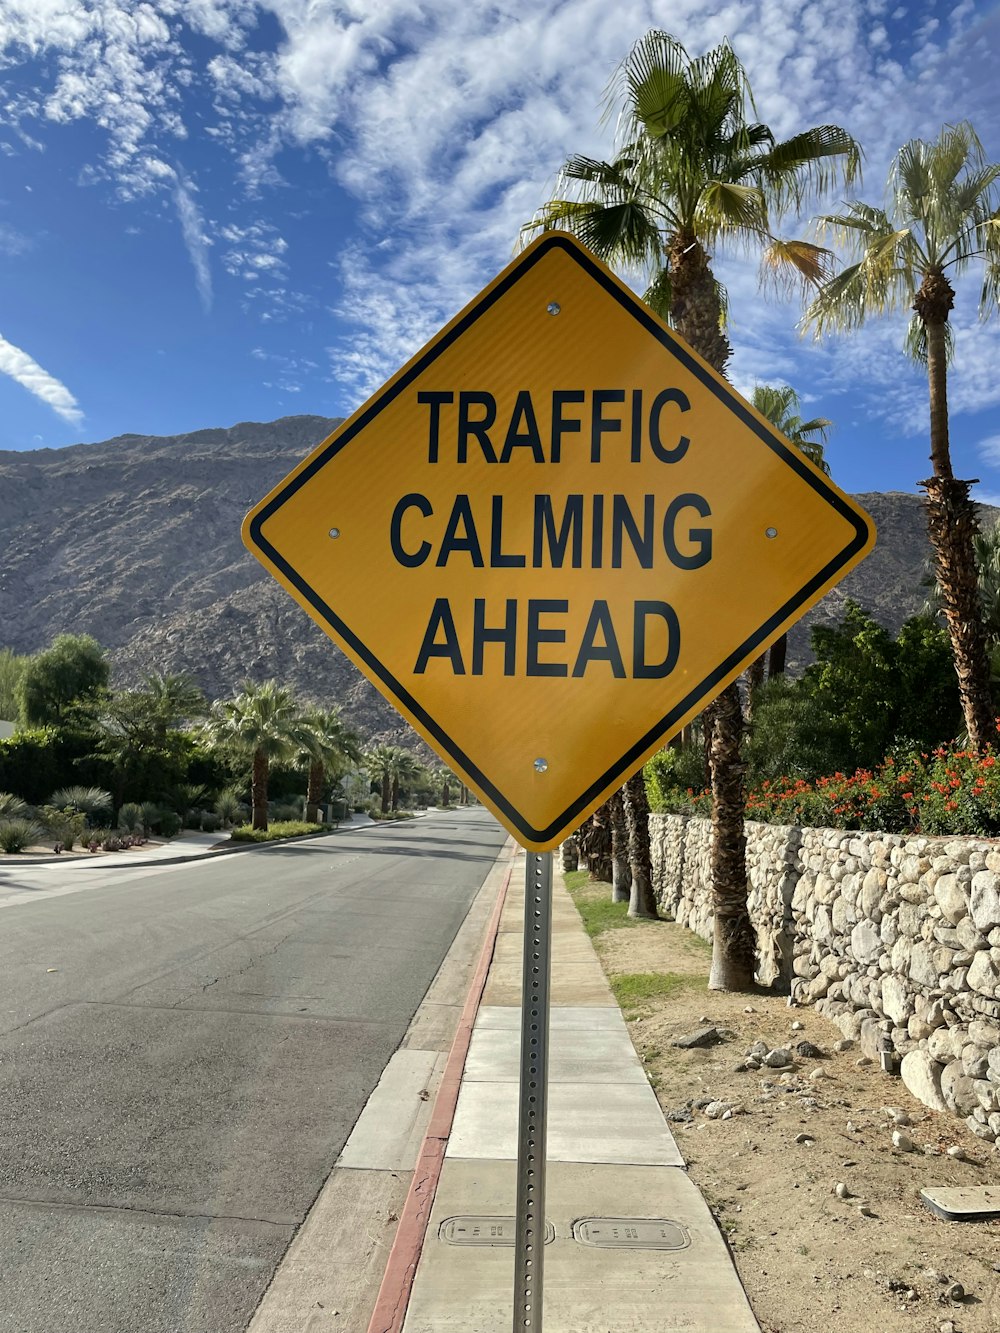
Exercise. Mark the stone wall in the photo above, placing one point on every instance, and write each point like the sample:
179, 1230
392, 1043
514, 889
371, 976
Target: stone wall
895, 938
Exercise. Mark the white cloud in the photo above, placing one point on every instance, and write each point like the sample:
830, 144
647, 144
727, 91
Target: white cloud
447, 123
30, 375
989, 450
195, 237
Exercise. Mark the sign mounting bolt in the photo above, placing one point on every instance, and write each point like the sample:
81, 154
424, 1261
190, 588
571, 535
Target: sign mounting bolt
334, 532
770, 532
553, 307
541, 765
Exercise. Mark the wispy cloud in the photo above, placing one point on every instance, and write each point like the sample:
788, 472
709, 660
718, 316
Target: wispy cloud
195, 237
25, 371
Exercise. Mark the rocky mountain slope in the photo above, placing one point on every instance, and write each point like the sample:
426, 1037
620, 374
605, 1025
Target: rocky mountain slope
137, 541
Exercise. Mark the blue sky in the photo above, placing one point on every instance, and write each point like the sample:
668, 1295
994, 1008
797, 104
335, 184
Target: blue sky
223, 210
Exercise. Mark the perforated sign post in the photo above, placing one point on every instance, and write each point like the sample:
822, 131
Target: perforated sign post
550, 540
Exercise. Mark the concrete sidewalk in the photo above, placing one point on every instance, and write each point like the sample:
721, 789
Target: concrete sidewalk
632, 1246
190, 846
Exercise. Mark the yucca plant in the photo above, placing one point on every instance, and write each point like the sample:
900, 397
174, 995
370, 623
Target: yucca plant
16, 834
130, 817
229, 807
89, 801
12, 807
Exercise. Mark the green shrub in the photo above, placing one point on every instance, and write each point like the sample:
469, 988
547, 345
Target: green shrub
16, 834
130, 817
150, 812
63, 826
168, 824
34, 762
229, 807
286, 828
89, 801
209, 821
282, 812
672, 774
12, 807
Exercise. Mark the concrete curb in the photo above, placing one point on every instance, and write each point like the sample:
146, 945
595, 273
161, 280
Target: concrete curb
401, 1268
219, 849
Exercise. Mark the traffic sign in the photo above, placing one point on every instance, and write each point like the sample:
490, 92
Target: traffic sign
553, 537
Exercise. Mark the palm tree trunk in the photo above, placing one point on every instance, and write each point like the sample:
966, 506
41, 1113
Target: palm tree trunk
699, 320
642, 901
755, 679
394, 794
734, 943
314, 791
595, 844
621, 871
776, 657
258, 789
952, 525
694, 302
445, 793
570, 853
386, 797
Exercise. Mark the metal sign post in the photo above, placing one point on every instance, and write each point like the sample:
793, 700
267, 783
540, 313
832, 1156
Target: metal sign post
533, 1097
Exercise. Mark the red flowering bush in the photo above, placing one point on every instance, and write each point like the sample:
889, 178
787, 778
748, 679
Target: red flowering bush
949, 790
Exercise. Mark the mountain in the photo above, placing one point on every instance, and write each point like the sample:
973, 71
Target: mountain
137, 541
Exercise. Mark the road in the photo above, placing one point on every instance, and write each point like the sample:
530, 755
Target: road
184, 1051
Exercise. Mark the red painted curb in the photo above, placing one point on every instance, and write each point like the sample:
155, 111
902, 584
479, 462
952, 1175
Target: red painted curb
401, 1268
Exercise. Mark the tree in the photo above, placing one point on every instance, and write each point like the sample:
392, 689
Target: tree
621, 870
693, 171
11, 671
867, 695
594, 841
173, 699
642, 900
330, 748
941, 215
780, 404
405, 769
380, 764
262, 723
73, 670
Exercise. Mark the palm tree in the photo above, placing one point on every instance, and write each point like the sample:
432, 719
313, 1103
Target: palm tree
780, 404
380, 763
941, 215
694, 171
330, 747
405, 768
263, 723
173, 698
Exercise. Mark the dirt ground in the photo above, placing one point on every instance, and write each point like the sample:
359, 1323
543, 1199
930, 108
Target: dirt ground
808, 1258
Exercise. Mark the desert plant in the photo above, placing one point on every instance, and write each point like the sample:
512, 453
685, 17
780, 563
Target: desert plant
16, 834
63, 826
12, 807
168, 825
229, 807
149, 813
210, 821
130, 817
285, 810
89, 801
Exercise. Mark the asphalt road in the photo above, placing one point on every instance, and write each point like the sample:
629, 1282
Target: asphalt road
183, 1053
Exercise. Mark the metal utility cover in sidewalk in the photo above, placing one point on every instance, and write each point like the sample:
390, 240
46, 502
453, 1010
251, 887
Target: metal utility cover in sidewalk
553, 537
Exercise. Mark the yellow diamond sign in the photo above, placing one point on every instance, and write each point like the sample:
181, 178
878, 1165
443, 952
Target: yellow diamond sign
553, 537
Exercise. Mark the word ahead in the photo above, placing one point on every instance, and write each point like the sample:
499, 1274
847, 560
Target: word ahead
553, 537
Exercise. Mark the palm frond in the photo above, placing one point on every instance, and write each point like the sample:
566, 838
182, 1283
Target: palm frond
659, 294
790, 266
808, 164
723, 207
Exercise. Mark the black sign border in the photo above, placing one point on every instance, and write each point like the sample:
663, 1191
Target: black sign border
700, 694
